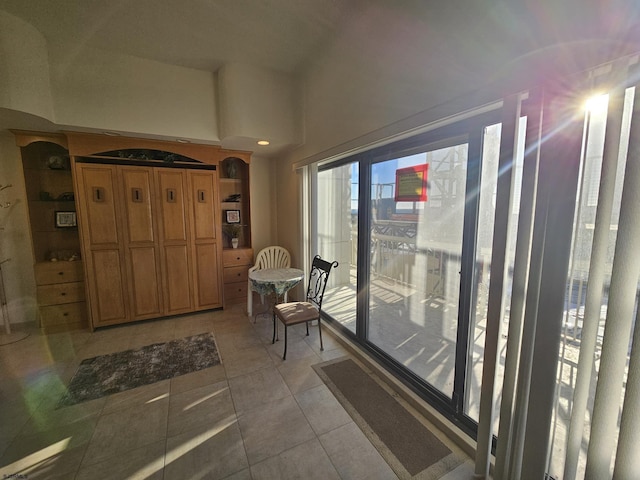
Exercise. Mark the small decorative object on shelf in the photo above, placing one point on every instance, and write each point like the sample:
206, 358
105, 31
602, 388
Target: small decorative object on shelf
233, 231
63, 255
232, 216
57, 162
232, 168
233, 198
66, 220
66, 197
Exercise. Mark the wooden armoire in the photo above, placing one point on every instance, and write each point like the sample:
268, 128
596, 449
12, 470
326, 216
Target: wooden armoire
150, 224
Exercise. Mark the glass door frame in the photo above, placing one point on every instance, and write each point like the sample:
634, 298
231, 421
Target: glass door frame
470, 131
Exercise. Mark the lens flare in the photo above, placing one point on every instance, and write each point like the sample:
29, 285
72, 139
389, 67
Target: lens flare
597, 104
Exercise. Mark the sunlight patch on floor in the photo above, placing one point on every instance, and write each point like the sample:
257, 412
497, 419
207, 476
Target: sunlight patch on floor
158, 398
35, 460
197, 440
204, 399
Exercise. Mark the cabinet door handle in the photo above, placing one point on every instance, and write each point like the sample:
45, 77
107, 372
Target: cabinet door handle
60, 273
63, 294
201, 198
136, 194
98, 194
171, 195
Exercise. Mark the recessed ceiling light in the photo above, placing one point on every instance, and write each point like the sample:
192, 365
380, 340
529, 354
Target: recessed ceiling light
263, 142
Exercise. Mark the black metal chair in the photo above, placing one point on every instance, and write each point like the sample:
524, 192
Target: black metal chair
293, 313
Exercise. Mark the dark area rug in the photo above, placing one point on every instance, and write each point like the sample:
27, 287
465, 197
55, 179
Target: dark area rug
117, 372
403, 439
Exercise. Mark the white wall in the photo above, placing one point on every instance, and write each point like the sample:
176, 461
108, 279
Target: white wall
257, 103
87, 88
24, 71
96, 89
263, 197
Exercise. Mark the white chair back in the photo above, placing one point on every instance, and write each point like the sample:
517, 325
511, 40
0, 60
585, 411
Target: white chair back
273, 257
268, 257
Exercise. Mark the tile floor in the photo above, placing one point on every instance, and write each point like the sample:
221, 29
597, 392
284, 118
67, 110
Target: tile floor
252, 417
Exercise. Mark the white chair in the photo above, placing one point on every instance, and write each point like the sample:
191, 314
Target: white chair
269, 257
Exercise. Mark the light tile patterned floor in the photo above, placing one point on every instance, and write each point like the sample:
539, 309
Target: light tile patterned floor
252, 417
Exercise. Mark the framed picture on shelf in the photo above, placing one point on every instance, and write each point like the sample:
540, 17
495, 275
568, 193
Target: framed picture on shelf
232, 216
66, 219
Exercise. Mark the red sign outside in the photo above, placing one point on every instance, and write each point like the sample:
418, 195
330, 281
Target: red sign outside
411, 184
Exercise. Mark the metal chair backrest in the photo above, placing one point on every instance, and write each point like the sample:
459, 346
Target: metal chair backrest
318, 278
273, 257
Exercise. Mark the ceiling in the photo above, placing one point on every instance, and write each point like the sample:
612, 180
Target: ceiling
202, 34
286, 35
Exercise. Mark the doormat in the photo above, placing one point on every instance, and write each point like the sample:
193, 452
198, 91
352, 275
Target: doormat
405, 442
117, 372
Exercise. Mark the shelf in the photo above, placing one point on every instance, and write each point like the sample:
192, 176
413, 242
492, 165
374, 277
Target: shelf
58, 230
48, 240
235, 186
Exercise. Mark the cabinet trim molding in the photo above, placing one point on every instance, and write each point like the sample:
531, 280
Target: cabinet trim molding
27, 137
86, 144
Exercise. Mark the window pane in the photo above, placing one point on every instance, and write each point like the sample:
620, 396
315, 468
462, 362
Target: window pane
415, 263
338, 240
484, 243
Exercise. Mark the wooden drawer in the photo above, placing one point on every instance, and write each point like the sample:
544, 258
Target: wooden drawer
235, 291
58, 293
236, 274
66, 314
237, 256
58, 272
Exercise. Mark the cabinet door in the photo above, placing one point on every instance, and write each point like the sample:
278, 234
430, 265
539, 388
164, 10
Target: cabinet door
141, 241
99, 194
175, 252
202, 201
102, 249
206, 248
109, 303
207, 281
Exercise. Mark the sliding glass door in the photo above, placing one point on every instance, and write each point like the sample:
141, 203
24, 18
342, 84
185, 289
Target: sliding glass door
416, 248
412, 225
